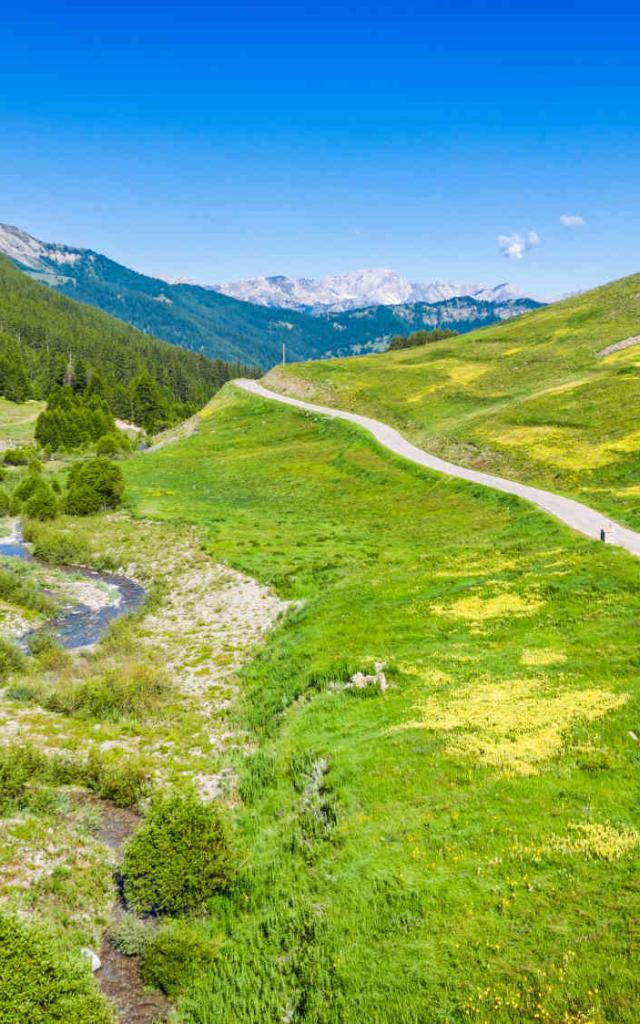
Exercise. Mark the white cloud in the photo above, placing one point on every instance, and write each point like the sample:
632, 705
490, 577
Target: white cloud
514, 246
571, 220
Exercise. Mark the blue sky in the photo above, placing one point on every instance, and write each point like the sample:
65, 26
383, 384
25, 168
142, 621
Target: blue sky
220, 141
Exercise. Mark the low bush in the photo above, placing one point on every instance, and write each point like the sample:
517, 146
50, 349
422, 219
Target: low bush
41, 983
11, 659
5, 502
179, 857
130, 935
18, 456
19, 767
54, 545
17, 590
173, 954
124, 781
133, 690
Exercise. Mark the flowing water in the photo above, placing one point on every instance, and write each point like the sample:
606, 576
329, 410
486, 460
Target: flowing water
76, 624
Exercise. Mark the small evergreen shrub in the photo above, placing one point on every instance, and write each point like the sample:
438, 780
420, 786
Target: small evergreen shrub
40, 982
18, 456
179, 857
94, 485
42, 504
130, 935
174, 953
109, 445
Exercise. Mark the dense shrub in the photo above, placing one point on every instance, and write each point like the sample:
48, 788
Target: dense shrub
55, 546
130, 935
18, 456
173, 954
179, 857
5, 502
40, 983
42, 504
19, 767
94, 485
113, 444
28, 486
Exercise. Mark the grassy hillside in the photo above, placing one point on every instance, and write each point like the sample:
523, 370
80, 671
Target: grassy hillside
530, 398
43, 335
464, 846
18, 420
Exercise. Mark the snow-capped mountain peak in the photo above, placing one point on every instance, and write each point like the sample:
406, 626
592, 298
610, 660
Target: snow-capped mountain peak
356, 290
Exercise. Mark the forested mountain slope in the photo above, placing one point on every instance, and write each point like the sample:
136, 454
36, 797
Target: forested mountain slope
206, 321
534, 399
47, 339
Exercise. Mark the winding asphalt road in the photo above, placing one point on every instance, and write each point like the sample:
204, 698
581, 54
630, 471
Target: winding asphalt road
582, 518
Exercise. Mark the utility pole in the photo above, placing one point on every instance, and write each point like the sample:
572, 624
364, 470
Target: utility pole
284, 353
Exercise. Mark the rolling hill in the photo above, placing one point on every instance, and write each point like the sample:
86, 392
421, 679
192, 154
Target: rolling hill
205, 321
537, 399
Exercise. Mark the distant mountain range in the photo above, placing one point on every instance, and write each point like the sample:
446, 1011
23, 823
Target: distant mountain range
355, 290
205, 320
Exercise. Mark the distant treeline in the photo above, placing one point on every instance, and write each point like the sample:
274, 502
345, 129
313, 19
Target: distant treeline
420, 338
48, 341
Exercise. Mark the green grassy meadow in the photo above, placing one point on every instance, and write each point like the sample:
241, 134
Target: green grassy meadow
528, 399
463, 846
18, 420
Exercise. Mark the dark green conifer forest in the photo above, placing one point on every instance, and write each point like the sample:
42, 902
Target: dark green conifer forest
87, 364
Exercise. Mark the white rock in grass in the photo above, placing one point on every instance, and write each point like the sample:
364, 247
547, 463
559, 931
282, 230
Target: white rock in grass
93, 958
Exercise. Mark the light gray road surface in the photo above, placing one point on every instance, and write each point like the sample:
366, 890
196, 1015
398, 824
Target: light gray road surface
582, 518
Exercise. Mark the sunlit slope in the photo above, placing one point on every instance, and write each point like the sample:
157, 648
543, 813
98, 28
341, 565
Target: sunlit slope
18, 420
530, 399
464, 846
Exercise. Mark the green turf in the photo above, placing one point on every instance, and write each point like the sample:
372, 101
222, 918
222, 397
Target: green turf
18, 420
470, 852
529, 399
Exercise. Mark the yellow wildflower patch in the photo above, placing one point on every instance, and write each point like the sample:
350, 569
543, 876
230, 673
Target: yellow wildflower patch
516, 725
512, 351
477, 608
540, 656
565, 447
595, 840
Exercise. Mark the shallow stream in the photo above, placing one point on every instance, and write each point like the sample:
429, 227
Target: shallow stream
77, 624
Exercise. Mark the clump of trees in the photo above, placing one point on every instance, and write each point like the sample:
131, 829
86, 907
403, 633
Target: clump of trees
420, 338
93, 486
48, 342
72, 420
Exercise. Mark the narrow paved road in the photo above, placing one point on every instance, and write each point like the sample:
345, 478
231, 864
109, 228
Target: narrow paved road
582, 518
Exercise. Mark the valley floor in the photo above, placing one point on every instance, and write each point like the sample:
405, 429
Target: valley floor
464, 844
418, 699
